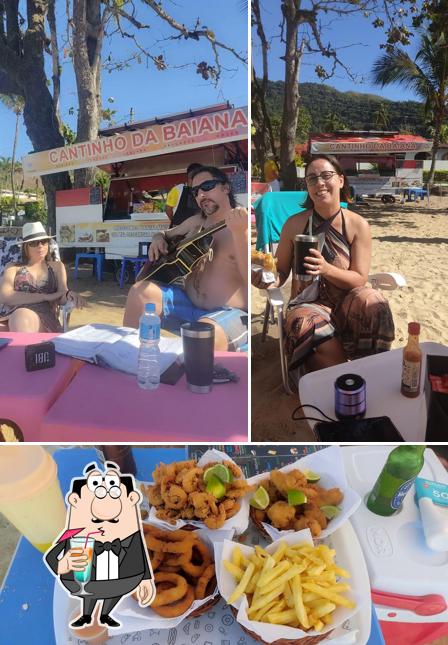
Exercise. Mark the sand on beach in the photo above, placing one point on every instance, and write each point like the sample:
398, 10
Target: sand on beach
411, 239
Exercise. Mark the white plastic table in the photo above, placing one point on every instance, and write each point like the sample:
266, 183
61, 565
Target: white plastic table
382, 373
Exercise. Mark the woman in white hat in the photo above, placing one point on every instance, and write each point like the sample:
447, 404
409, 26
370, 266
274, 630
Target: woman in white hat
31, 290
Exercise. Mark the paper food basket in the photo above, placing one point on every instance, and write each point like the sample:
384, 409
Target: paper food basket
238, 523
348, 556
329, 464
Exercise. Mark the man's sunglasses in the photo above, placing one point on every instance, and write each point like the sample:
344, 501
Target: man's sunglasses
207, 185
37, 243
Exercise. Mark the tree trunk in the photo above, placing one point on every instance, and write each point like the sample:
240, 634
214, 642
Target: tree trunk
291, 97
41, 121
13, 164
435, 148
87, 43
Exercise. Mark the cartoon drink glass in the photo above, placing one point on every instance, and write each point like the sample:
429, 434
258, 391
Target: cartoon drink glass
85, 547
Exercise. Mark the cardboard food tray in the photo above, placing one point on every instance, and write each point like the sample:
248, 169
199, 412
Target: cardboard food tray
218, 626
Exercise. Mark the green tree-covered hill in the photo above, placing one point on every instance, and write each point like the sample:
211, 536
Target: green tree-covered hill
356, 111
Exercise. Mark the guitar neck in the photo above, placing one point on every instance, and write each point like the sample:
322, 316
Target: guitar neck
205, 231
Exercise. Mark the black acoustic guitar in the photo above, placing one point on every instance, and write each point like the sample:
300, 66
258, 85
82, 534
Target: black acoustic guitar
183, 255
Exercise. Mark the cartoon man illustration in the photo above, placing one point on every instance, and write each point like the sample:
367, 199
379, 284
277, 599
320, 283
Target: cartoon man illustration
104, 505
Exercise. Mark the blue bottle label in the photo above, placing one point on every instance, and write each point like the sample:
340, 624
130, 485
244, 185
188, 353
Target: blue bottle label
397, 499
149, 332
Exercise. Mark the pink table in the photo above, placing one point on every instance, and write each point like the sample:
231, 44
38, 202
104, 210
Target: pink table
25, 396
104, 405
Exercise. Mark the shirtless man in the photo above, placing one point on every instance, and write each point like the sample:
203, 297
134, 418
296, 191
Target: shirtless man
216, 291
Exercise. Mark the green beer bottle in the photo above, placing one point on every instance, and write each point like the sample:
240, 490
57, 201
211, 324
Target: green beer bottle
399, 472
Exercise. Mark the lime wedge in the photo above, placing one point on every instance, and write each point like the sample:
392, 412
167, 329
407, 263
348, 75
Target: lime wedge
296, 497
220, 471
311, 476
261, 499
330, 511
216, 487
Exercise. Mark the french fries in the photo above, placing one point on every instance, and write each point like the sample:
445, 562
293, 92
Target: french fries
297, 586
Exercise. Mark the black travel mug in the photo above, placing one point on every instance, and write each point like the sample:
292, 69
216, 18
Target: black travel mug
198, 342
302, 246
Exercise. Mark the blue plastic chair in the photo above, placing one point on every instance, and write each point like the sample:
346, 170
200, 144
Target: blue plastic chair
98, 263
137, 264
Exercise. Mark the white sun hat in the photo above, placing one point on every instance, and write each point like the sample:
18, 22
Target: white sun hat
33, 231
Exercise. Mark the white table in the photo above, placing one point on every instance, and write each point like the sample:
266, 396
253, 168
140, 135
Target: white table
382, 373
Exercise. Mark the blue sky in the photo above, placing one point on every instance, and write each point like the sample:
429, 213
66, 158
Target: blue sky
149, 92
359, 58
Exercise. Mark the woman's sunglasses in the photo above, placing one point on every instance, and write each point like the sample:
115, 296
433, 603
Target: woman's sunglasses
37, 243
207, 185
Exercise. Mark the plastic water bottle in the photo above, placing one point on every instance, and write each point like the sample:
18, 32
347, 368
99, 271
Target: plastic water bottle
148, 370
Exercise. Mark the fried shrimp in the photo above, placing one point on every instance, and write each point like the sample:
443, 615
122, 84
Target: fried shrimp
282, 515
231, 507
238, 488
234, 469
216, 521
190, 481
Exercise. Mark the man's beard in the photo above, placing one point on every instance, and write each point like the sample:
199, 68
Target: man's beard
209, 208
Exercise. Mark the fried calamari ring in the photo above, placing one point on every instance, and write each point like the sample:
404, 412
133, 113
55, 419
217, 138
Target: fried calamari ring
187, 564
164, 534
174, 496
169, 547
202, 583
176, 608
171, 559
168, 596
154, 496
169, 569
156, 558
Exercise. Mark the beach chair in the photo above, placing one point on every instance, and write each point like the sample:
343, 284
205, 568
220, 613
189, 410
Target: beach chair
11, 251
273, 314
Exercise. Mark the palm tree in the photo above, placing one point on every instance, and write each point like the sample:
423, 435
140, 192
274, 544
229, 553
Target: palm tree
381, 118
426, 75
16, 104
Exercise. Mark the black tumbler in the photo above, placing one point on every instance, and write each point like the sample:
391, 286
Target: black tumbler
198, 342
302, 246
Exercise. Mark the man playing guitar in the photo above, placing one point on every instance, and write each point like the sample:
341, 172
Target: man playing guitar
216, 291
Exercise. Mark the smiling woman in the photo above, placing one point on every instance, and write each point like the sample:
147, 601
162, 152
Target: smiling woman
335, 317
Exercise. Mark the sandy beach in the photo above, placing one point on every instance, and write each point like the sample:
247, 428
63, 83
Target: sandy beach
411, 239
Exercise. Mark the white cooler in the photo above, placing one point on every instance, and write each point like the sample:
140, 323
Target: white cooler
409, 581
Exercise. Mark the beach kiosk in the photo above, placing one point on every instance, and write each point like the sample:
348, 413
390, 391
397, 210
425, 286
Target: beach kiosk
377, 163
144, 161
